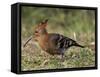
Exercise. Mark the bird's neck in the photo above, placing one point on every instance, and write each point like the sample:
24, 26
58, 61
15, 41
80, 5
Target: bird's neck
44, 36
42, 41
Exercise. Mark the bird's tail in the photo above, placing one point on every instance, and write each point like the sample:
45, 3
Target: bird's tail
78, 45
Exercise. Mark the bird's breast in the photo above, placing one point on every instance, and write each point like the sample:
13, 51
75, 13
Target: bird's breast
43, 42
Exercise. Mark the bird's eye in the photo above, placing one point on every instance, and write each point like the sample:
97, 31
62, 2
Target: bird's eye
36, 31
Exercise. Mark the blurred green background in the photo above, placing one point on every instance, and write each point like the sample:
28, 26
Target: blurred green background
77, 24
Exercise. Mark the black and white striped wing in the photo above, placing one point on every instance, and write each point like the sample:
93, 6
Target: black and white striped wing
62, 42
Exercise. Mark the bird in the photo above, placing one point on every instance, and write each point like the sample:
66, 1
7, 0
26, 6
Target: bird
52, 43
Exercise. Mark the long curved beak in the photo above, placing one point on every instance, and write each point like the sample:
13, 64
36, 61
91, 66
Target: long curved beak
27, 41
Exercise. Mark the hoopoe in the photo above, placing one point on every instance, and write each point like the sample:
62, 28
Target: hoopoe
52, 43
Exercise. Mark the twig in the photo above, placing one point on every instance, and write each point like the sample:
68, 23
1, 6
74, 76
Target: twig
74, 34
45, 61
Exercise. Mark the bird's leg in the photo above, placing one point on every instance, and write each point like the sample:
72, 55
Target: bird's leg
62, 57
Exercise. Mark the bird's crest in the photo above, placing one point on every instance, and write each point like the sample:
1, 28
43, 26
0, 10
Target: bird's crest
43, 24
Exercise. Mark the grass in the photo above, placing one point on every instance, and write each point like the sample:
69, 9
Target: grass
34, 58
65, 22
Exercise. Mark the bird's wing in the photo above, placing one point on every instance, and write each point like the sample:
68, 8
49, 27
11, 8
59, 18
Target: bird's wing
60, 41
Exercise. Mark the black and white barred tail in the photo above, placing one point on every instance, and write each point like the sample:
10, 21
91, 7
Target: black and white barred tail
63, 42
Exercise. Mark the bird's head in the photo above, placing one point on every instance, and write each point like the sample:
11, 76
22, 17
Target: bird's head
41, 28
